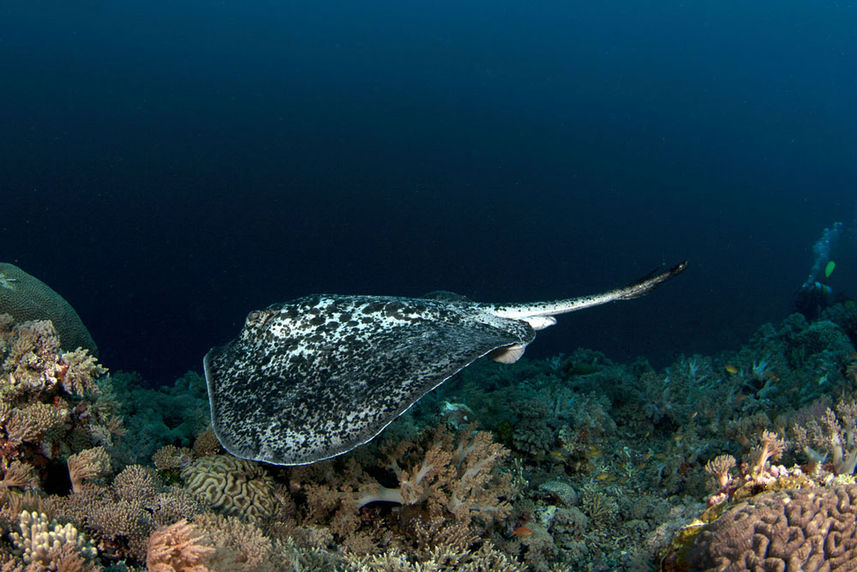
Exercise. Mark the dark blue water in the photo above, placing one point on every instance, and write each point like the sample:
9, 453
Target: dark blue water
168, 167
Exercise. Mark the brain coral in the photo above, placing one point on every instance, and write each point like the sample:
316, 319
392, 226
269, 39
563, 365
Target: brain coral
809, 529
233, 485
25, 298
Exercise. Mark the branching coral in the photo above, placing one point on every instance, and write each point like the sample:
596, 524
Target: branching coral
170, 457
48, 545
47, 396
444, 482
833, 434
180, 547
454, 473
137, 483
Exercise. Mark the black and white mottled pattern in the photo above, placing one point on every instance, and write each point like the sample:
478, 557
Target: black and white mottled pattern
315, 377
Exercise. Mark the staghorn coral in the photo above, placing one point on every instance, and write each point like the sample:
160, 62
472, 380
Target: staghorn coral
232, 485
122, 528
813, 529
47, 545
120, 517
179, 547
175, 504
25, 297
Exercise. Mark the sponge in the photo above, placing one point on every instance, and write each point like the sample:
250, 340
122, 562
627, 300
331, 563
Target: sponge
25, 297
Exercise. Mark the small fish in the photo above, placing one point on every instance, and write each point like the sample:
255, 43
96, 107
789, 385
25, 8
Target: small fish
522, 531
730, 369
593, 452
603, 476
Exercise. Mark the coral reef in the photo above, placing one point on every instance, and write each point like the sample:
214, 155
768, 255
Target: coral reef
571, 463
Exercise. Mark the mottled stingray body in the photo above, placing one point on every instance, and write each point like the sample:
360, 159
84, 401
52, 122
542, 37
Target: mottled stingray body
315, 377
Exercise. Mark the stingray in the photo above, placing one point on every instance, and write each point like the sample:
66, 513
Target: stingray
315, 377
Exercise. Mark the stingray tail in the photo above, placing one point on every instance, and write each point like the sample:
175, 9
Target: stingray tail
538, 314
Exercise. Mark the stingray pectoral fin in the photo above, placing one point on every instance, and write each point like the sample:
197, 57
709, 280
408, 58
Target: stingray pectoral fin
338, 398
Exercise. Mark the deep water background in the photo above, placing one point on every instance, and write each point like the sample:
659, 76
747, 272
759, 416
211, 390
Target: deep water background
168, 167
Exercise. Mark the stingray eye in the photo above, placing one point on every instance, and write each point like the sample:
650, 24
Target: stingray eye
254, 318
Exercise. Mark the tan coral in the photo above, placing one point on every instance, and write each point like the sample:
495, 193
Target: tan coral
207, 444
240, 545
25, 297
45, 544
180, 547
170, 457
19, 475
88, 464
232, 485
809, 529
137, 483
719, 468
81, 371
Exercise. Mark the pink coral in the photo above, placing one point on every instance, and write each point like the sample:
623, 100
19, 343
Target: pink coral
180, 547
